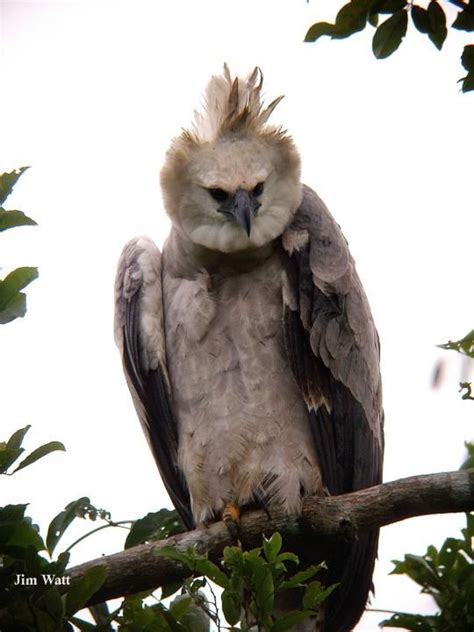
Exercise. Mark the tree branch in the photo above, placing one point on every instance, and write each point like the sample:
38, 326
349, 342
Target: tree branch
322, 521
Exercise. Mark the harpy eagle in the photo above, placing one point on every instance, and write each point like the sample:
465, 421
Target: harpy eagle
248, 343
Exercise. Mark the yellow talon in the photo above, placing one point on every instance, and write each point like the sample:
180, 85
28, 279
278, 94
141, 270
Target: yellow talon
231, 513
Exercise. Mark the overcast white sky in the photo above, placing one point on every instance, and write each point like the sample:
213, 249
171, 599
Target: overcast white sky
91, 94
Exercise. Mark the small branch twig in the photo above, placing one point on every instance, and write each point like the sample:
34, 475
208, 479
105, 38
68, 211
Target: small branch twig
323, 519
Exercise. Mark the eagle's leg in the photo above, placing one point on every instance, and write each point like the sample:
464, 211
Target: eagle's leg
231, 513
231, 518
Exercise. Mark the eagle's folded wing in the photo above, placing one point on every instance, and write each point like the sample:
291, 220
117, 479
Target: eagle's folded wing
140, 336
333, 349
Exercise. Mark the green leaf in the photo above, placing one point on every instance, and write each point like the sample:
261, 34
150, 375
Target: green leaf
17, 437
231, 606
25, 535
351, 18
272, 547
16, 308
101, 614
84, 588
389, 6
8, 181
12, 301
264, 589
232, 556
83, 626
288, 557
11, 451
40, 452
465, 18
12, 513
317, 30
170, 551
420, 18
14, 282
465, 345
301, 577
413, 622
289, 620
8, 456
438, 30
154, 526
51, 603
374, 19
315, 594
467, 60
389, 35
169, 589
180, 606
11, 219
469, 462
420, 570
61, 522
213, 572
431, 21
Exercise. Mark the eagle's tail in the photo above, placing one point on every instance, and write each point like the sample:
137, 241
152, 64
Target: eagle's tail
353, 570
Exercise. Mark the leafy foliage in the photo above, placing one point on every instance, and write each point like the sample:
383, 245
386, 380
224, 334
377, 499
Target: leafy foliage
37, 594
12, 299
154, 526
430, 21
11, 450
252, 581
469, 462
447, 575
464, 346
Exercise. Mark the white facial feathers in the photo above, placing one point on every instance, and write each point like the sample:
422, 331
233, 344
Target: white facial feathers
230, 147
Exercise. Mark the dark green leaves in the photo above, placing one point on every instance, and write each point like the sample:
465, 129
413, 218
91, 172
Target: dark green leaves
467, 60
447, 575
469, 462
388, 6
251, 581
465, 18
40, 452
12, 300
11, 451
154, 526
430, 21
351, 18
420, 18
465, 345
80, 508
84, 588
438, 30
11, 219
8, 181
389, 35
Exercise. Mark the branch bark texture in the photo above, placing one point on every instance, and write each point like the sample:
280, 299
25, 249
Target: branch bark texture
321, 523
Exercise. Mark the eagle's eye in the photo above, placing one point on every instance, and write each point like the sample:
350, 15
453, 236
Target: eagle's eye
258, 189
219, 195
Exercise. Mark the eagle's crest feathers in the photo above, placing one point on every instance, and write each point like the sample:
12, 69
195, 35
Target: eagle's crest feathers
233, 105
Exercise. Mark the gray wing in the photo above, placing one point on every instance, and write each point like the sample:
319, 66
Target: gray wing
333, 349
140, 336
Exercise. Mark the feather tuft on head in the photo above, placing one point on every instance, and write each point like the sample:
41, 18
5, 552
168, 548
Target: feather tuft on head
233, 105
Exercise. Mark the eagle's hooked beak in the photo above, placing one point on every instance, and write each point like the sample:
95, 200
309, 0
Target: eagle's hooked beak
244, 208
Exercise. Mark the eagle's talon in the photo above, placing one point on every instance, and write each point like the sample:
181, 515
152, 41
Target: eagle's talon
231, 513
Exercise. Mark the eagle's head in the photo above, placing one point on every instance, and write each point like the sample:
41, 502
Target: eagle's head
232, 182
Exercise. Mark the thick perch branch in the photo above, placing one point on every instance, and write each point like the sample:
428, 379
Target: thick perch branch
322, 520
